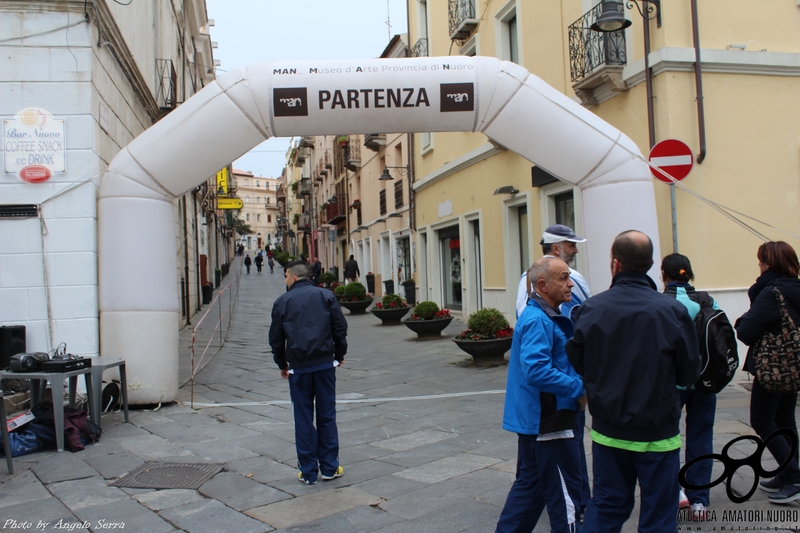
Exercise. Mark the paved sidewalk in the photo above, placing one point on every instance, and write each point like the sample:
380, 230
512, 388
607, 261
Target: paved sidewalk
421, 444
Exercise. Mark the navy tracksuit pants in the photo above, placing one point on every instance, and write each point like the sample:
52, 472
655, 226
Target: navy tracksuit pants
547, 475
317, 448
616, 472
700, 410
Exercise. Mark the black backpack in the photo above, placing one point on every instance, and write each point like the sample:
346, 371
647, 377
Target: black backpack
719, 354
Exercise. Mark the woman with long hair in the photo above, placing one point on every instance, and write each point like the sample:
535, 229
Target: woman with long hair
770, 411
701, 406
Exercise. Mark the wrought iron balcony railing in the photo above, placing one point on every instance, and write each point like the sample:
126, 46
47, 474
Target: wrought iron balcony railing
420, 48
166, 85
589, 50
335, 209
462, 19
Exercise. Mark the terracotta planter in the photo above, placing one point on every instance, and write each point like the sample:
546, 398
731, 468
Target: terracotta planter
390, 316
428, 328
358, 307
487, 351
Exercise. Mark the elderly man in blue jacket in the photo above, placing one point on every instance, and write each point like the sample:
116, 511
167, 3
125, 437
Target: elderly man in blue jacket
543, 394
308, 336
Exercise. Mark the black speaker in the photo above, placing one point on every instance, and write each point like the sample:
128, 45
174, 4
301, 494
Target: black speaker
12, 341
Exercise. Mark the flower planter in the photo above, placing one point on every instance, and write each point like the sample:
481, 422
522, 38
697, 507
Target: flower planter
357, 307
390, 316
486, 351
428, 328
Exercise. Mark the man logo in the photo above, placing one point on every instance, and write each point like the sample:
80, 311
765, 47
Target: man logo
457, 97
290, 102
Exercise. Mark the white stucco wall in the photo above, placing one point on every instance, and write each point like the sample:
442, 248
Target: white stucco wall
56, 68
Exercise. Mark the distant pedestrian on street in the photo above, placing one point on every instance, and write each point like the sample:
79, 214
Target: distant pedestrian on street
351, 272
543, 394
633, 345
308, 336
259, 261
271, 263
316, 270
247, 262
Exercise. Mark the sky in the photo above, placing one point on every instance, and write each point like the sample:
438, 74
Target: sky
251, 31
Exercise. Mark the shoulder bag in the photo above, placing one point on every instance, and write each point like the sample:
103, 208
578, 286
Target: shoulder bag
777, 357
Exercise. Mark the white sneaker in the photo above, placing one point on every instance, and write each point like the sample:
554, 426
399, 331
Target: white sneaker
698, 512
683, 501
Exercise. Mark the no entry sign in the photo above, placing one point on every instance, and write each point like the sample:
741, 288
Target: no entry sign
674, 157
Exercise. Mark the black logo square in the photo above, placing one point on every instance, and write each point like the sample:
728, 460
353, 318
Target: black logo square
290, 102
457, 97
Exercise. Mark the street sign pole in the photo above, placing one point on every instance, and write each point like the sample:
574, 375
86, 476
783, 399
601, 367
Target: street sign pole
676, 158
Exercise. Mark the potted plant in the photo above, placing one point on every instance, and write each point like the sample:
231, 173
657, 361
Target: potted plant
390, 309
428, 320
355, 298
488, 338
326, 279
217, 277
342, 140
356, 204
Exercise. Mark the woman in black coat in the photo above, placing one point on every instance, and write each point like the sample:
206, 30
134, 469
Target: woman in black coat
770, 411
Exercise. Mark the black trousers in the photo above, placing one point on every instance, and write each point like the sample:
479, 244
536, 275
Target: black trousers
770, 411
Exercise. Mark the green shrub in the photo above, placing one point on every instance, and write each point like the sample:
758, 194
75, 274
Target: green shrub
487, 322
282, 258
327, 277
339, 291
389, 299
355, 290
426, 310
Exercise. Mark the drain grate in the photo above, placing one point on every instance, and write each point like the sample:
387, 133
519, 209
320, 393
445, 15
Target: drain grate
168, 476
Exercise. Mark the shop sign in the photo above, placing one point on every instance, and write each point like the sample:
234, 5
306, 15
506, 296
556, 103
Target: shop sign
34, 145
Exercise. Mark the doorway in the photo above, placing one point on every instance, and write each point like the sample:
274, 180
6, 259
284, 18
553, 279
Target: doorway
450, 246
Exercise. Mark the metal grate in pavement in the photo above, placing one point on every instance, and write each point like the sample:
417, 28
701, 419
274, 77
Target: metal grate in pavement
157, 475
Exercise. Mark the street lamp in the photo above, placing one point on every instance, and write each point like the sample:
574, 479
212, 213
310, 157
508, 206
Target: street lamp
388, 177
612, 17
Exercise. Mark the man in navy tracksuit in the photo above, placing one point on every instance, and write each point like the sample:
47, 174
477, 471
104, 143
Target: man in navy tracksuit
308, 336
633, 345
543, 394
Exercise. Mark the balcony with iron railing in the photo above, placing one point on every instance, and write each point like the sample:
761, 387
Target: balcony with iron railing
166, 85
375, 141
595, 58
335, 209
462, 19
420, 48
352, 154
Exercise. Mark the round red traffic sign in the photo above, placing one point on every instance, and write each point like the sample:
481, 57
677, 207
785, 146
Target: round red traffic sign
674, 157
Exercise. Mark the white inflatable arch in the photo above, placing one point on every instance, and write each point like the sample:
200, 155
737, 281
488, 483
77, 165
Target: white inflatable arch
137, 260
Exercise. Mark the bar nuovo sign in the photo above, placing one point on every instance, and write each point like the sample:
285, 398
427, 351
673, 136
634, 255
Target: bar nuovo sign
33, 145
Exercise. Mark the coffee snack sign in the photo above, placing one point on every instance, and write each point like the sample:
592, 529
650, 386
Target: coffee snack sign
33, 145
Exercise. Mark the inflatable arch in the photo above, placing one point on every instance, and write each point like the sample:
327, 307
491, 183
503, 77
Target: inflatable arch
137, 261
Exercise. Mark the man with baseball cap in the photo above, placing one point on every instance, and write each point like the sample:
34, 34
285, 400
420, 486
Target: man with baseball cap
560, 241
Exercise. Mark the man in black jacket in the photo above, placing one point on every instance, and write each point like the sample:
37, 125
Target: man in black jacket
308, 336
633, 345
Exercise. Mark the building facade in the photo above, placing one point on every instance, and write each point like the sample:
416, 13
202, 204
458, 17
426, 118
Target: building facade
474, 241
260, 211
90, 77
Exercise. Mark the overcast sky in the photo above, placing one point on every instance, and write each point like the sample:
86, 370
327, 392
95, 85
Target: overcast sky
250, 31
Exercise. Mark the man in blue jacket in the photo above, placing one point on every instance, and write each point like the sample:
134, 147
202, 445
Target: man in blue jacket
308, 336
543, 394
633, 345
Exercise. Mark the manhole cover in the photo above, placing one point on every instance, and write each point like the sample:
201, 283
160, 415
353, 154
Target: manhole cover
168, 476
